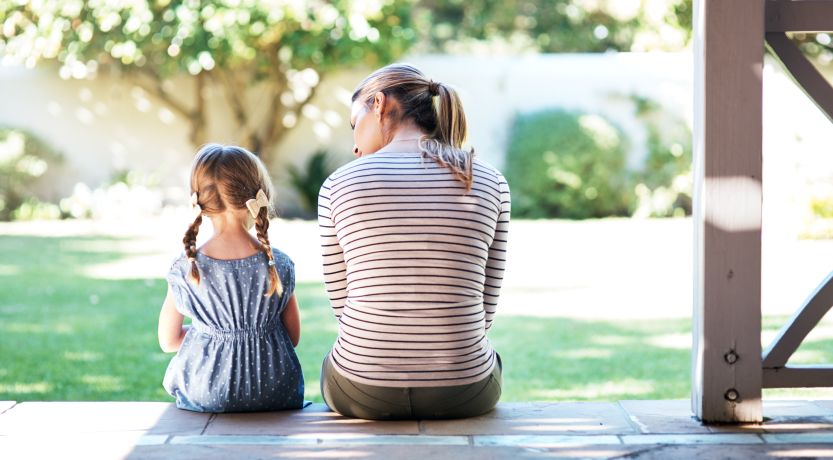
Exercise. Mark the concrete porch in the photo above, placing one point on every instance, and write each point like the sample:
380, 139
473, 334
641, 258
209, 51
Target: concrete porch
629, 429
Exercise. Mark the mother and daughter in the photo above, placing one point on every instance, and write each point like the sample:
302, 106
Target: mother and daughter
414, 238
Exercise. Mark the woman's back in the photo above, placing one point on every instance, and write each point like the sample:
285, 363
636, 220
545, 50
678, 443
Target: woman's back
413, 264
238, 355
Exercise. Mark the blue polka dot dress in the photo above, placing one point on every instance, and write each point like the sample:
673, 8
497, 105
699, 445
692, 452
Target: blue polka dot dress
237, 356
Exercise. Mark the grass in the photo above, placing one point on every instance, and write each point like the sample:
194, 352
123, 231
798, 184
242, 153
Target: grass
68, 335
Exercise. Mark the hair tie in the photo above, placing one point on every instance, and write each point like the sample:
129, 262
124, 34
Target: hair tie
196, 210
433, 88
259, 201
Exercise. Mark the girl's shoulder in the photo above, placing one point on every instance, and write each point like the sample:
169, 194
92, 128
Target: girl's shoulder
281, 258
178, 262
179, 268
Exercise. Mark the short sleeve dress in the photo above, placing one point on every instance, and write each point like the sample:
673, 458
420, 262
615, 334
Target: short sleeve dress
237, 356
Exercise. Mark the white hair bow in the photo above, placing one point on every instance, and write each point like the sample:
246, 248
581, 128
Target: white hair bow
259, 201
196, 210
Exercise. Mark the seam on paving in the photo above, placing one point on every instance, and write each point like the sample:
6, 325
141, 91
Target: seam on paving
630, 421
208, 422
14, 404
639, 452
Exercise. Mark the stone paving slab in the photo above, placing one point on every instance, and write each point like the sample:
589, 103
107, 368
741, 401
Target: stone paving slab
87, 446
791, 416
539, 419
827, 405
715, 438
710, 452
316, 418
636, 429
798, 438
225, 452
797, 408
99, 417
671, 416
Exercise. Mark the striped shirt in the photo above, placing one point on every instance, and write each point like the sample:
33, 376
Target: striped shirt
413, 266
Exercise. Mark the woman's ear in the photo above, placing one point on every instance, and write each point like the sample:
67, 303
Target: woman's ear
379, 101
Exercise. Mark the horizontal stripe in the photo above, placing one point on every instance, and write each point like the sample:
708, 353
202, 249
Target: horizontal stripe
413, 269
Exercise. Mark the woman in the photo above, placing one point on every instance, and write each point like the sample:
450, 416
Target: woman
414, 241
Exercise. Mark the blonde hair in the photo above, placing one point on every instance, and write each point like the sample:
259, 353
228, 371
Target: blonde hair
226, 177
433, 106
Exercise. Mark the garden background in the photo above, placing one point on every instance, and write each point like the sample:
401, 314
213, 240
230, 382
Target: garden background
584, 104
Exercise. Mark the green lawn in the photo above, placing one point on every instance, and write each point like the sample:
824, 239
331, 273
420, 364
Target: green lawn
65, 335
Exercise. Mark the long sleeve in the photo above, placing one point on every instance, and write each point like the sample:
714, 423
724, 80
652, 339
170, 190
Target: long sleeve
496, 264
335, 270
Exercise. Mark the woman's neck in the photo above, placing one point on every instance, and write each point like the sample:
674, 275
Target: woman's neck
405, 140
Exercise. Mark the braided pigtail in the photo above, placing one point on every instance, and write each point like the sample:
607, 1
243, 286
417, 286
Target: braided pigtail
262, 226
190, 242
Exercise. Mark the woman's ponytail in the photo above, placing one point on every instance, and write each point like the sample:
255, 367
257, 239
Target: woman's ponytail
445, 145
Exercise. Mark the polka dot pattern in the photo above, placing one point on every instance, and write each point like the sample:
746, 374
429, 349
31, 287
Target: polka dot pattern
238, 356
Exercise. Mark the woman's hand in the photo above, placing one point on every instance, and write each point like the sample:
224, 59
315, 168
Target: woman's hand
291, 318
171, 331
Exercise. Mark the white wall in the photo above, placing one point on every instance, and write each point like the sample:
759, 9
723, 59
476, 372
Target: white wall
107, 124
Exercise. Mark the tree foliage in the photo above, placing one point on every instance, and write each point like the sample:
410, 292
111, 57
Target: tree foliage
555, 26
284, 46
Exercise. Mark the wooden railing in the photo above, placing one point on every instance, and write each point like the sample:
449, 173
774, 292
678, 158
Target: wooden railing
729, 369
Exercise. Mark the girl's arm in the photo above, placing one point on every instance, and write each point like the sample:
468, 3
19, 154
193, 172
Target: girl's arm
171, 331
291, 318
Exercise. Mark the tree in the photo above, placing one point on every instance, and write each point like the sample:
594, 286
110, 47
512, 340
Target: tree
285, 47
555, 26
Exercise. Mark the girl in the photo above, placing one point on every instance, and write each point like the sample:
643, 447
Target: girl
238, 354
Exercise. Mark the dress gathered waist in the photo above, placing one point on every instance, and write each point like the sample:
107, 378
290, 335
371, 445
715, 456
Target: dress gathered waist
231, 334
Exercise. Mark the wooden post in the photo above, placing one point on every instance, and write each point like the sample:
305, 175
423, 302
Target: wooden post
726, 352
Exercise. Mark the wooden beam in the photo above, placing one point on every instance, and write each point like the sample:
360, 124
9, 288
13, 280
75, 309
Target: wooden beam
802, 322
799, 16
728, 62
805, 75
798, 377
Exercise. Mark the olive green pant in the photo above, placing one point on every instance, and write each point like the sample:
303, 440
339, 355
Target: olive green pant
353, 399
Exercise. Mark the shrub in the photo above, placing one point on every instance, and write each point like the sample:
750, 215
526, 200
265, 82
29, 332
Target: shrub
567, 165
307, 182
23, 160
664, 182
127, 194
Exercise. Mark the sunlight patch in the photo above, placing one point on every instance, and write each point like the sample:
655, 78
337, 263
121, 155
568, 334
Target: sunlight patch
8, 270
584, 353
24, 327
130, 267
103, 382
617, 389
809, 357
86, 356
612, 340
802, 453
673, 341
38, 387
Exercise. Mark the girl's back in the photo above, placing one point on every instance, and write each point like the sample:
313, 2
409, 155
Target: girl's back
238, 355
